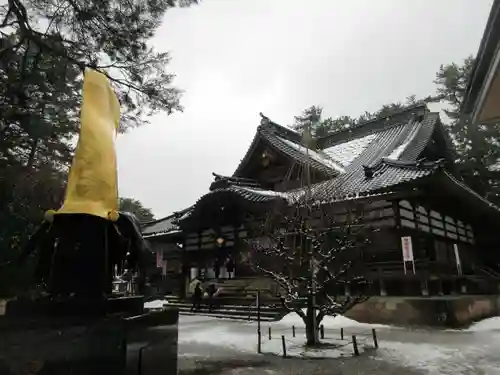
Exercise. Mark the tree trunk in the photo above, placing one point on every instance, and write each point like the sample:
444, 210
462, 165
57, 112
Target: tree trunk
311, 328
31, 157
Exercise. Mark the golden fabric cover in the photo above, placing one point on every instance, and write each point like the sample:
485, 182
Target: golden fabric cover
92, 183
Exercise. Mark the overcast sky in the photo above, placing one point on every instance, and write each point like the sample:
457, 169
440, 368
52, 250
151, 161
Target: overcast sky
236, 58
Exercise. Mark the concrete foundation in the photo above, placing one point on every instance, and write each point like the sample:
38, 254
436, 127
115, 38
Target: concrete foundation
444, 311
111, 344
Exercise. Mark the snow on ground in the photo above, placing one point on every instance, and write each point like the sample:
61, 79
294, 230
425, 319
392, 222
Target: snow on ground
468, 351
329, 322
430, 352
156, 304
475, 358
486, 325
242, 336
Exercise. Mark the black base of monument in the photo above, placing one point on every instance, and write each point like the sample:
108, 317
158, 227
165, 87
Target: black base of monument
110, 337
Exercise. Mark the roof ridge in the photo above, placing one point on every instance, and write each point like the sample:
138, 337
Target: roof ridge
283, 131
420, 164
172, 215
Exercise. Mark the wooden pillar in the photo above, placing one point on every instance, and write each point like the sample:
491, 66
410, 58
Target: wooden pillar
463, 287
440, 287
347, 289
424, 286
383, 291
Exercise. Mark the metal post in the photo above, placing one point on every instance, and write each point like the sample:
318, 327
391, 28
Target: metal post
293, 331
342, 333
283, 344
269, 333
259, 345
375, 341
259, 348
355, 345
139, 362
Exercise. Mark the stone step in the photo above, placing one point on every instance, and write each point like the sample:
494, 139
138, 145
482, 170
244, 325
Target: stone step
228, 311
232, 310
234, 300
215, 314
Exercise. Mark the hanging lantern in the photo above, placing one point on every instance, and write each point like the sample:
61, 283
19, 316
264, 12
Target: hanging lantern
219, 241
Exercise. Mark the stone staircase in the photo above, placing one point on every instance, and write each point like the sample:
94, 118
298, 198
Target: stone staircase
245, 287
222, 309
237, 300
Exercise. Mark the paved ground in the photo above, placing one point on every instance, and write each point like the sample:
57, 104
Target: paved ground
220, 347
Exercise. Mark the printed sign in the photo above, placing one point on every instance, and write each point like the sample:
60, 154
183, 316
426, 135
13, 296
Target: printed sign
159, 259
164, 268
457, 258
407, 249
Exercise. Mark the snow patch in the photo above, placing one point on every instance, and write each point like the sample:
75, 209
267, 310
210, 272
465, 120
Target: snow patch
439, 359
320, 157
156, 304
329, 322
396, 153
486, 325
221, 335
346, 152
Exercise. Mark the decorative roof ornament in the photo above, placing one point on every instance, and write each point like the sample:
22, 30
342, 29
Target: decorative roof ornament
264, 120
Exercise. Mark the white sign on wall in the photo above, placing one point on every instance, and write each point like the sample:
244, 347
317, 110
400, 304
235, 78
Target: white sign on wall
407, 248
159, 258
457, 258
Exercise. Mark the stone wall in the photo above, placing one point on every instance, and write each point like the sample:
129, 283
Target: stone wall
446, 311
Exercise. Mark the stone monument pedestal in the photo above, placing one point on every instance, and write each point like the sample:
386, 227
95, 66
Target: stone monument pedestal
111, 337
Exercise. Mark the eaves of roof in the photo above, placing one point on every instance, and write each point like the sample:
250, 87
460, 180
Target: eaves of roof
299, 153
163, 226
488, 50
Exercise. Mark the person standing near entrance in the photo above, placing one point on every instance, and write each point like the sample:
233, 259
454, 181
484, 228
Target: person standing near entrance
197, 296
230, 267
210, 296
216, 270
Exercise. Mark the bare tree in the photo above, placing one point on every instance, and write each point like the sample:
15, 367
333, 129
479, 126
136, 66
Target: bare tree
314, 254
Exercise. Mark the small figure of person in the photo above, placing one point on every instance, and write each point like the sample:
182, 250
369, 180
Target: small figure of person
230, 267
197, 296
216, 270
210, 296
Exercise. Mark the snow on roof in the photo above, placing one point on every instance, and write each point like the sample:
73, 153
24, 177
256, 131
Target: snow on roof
346, 152
319, 156
396, 153
270, 193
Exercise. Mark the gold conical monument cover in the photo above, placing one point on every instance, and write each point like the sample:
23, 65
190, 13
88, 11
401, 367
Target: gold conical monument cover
92, 182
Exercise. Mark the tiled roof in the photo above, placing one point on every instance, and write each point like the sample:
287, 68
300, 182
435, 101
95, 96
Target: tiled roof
288, 142
251, 194
383, 158
163, 226
387, 148
386, 176
368, 159
365, 158
225, 181
338, 151
316, 160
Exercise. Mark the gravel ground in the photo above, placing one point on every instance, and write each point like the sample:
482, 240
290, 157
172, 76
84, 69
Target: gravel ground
221, 347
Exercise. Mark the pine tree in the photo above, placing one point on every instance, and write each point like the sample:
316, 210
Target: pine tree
478, 147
